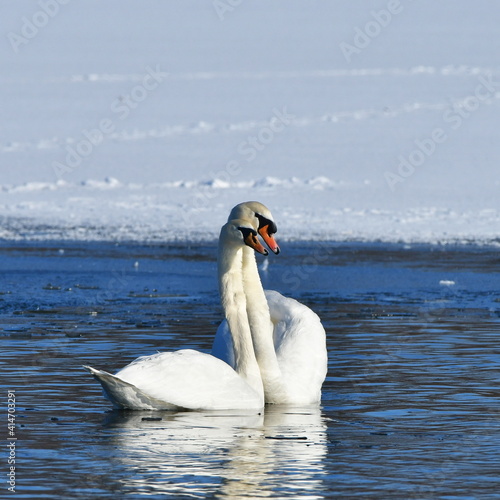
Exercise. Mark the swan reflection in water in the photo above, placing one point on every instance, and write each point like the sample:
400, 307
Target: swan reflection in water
230, 455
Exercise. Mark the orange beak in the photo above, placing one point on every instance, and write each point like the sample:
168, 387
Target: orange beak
269, 239
253, 242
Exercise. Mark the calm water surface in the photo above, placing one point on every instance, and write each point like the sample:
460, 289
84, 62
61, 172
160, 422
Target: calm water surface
410, 408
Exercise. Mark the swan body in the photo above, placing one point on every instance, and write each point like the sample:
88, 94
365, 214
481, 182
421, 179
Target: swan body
288, 338
192, 380
299, 352
179, 380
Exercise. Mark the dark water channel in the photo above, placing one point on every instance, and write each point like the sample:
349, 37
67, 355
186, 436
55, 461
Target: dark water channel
410, 408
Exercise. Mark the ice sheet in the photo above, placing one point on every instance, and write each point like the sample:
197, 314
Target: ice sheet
370, 121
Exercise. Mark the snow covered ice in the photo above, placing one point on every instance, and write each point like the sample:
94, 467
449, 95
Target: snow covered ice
366, 121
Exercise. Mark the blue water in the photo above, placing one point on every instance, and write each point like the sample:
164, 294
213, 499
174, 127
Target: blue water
410, 407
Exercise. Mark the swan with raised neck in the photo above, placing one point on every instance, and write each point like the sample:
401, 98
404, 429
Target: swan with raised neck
188, 379
257, 307
288, 338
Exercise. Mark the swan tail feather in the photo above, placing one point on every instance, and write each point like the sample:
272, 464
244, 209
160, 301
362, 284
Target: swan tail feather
126, 396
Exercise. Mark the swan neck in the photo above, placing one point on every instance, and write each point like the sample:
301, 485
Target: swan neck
233, 302
260, 322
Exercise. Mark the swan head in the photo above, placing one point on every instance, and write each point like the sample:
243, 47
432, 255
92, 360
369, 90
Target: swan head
261, 219
239, 232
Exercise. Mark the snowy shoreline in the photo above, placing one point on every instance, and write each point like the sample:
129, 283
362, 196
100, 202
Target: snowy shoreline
311, 209
62, 237
155, 137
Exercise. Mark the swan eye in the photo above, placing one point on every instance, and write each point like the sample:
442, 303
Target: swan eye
251, 240
267, 228
264, 221
247, 231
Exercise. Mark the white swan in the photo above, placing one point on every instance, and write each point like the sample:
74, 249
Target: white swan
189, 379
289, 339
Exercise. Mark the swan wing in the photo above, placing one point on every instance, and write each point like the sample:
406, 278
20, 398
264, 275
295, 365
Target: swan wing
300, 345
184, 379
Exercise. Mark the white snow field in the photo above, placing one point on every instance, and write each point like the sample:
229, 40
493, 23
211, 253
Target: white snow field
351, 119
